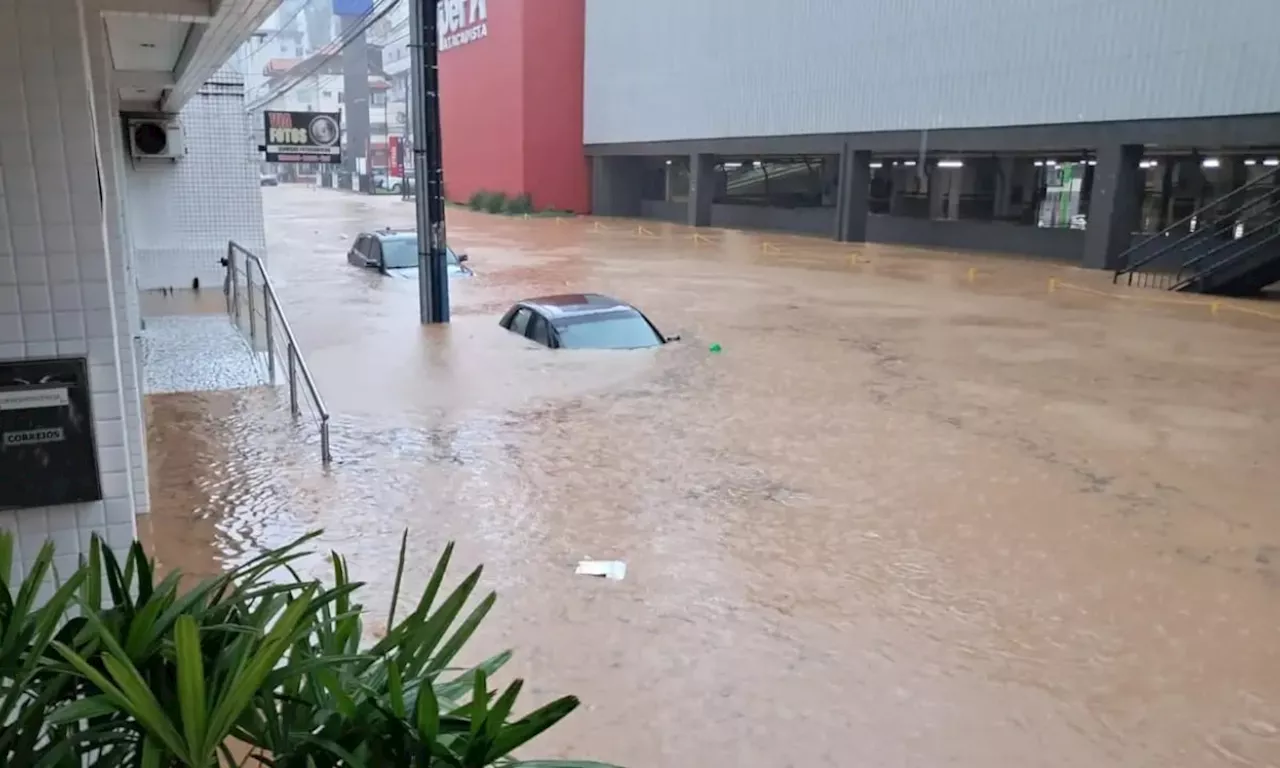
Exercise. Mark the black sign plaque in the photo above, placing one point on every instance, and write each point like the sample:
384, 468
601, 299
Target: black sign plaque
303, 137
47, 451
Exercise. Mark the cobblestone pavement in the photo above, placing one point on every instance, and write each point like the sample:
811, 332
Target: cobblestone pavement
196, 353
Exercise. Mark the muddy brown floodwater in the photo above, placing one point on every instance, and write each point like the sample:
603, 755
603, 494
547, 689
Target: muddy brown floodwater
920, 511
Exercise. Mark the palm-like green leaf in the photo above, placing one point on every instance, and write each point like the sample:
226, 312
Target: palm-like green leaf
151, 674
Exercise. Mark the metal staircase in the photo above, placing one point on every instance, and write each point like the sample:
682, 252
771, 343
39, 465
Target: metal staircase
1229, 246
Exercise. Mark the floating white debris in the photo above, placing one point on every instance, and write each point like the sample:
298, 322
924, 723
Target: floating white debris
609, 569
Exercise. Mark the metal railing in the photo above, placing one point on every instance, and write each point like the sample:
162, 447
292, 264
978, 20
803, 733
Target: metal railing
261, 304
1163, 259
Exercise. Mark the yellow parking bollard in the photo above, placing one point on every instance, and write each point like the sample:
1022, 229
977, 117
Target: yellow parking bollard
973, 273
1214, 307
1053, 284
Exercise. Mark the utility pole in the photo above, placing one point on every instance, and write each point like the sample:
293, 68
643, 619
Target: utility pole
428, 175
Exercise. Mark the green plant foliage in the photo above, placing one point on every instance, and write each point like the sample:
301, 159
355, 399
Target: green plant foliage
479, 200
496, 202
520, 204
116, 668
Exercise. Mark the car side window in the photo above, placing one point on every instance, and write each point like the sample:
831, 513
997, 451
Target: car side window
520, 323
364, 246
538, 331
375, 250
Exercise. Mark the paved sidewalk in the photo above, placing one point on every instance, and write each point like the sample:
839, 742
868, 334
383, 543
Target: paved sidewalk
196, 354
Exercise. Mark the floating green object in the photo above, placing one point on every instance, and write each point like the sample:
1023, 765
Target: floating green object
715, 349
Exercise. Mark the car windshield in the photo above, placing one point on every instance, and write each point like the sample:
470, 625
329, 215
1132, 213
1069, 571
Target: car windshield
613, 331
402, 253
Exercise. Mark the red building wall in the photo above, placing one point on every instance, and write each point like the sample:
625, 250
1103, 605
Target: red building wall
511, 105
482, 106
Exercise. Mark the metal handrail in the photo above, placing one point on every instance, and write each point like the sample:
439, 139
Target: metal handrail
1246, 252
293, 358
1226, 222
1229, 224
1124, 255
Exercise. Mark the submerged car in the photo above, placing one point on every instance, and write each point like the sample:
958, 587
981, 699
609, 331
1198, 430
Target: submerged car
583, 321
395, 252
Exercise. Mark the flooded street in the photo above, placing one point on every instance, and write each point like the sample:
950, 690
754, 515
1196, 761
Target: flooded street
920, 510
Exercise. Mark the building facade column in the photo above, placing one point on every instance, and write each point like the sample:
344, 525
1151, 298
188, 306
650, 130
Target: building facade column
617, 186
955, 186
900, 177
1002, 205
702, 189
853, 195
57, 299
1114, 206
937, 192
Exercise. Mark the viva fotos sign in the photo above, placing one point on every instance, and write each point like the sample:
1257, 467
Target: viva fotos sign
459, 22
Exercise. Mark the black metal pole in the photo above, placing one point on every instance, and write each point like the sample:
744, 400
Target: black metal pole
433, 276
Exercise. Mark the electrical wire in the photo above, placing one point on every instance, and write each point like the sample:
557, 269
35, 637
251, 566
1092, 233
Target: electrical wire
279, 31
363, 22
348, 36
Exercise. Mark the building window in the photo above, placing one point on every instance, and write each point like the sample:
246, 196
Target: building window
327, 94
378, 99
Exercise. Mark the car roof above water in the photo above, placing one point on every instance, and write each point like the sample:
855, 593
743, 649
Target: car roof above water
394, 234
576, 305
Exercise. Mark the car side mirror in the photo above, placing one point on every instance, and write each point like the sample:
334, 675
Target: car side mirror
670, 339
463, 257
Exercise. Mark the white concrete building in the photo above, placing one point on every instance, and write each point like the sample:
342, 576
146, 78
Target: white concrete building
393, 38
83, 221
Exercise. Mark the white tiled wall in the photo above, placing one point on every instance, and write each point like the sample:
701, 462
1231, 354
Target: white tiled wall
182, 213
56, 278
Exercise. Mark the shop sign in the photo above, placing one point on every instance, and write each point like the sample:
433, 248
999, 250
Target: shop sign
303, 137
459, 22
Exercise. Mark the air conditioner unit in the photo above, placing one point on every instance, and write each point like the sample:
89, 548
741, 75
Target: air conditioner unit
153, 139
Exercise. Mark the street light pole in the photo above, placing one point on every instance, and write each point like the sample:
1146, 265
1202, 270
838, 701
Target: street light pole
424, 74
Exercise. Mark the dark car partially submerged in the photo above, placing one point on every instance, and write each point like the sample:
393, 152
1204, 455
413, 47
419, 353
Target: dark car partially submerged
583, 321
395, 252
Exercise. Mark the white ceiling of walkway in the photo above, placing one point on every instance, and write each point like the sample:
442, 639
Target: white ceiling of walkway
164, 50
